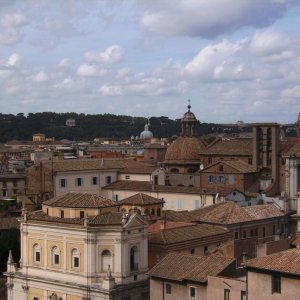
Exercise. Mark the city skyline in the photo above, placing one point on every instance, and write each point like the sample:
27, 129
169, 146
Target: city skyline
234, 61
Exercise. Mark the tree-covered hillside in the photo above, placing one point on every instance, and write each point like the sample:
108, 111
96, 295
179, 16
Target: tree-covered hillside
87, 127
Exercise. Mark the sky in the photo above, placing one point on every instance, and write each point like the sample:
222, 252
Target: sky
234, 59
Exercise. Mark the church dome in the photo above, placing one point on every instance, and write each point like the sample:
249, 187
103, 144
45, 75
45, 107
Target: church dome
184, 149
146, 134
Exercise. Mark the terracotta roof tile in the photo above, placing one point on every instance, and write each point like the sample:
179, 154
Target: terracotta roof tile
78, 200
123, 165
180, 267
239, 147
231, 213
185, 233
155, 227
109, 218
140, 199
284, 262
294, 150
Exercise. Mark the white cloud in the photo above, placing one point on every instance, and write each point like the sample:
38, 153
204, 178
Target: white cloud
209, 18
110, 90
113, 54
10, 37
13, 20
14, 60
40, 77
86, 70
64, 63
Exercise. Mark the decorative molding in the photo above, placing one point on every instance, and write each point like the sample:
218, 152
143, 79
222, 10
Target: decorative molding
25, 288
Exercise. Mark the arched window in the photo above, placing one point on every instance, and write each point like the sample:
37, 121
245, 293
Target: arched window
134, 264
75, 254
37, 253
55, 256
106, 261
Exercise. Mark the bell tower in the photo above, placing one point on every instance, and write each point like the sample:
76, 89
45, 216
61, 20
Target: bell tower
188, 123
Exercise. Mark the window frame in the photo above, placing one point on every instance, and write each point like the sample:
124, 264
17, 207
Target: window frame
190, 294
168, 287
75, 254
63, 182
226, 294
95, 180
55, 256
79, 181
276, 284
36, 250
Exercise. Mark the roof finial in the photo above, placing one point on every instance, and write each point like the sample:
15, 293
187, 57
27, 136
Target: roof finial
189, 105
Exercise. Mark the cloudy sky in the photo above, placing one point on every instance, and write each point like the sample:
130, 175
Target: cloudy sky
235, 59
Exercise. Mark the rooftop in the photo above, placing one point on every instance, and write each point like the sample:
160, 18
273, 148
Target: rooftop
283, 262
80, 200
185, 233
231, 213
180, 267
140, 199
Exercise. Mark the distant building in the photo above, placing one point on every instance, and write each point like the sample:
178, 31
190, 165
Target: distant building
39, 137
70, 122
146, 134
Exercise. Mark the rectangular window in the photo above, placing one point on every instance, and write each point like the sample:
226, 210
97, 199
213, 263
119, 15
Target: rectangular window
276, 284
211, 178
236, 235
222, 179
231, 179
37, 256
94, 180
274, 229
210, 160
244, 234
250, 161
192, 292
35, 298
226, 294
264, 232
79, 181
282, 229
243, 295
76, 262
56, 259
197, 204
116, 197
63, 182
192, 251
168, 288
62, 214
81, 214
180, 204
205, 250
108, 179
127, 177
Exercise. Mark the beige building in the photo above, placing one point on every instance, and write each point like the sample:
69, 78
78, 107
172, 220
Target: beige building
80, 247
175, 197
185, 277
274, 277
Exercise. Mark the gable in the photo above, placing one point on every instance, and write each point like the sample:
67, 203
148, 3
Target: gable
135, 220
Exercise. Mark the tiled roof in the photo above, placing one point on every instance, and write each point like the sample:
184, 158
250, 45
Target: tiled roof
293, 151
178, 216
155, 227
239, 165
180, 267
185, 233
231, 213
296, 241
146, 186
155, 146
230, 147
109, 218
140, 199
286, 147
284, 262
77, 200
124, 165
184, 149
